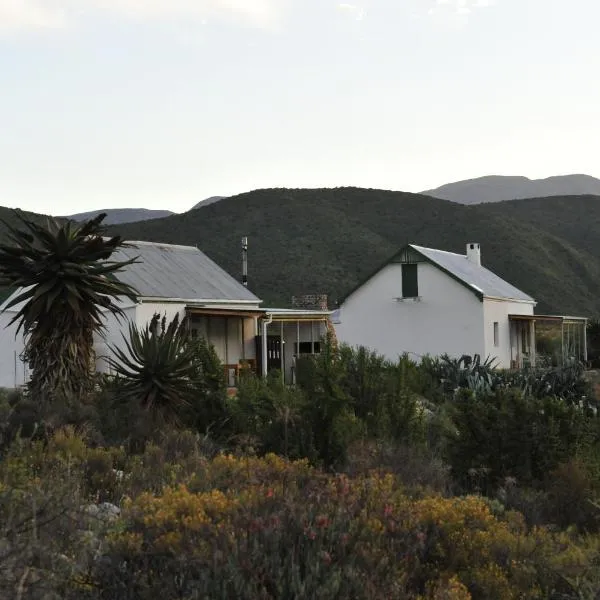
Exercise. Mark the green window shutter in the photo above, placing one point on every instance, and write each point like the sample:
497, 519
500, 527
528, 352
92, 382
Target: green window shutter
410, 283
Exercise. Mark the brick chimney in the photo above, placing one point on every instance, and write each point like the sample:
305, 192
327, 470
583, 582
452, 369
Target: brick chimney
474, 253
310, 302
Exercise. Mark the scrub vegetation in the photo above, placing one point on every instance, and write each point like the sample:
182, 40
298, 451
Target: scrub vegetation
367, 479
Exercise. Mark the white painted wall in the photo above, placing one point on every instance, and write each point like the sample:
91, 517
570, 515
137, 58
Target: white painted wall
13, 372
448, 318
146, 310
112, 336
497, 311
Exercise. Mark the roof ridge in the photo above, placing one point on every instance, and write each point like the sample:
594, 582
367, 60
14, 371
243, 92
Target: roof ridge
482, 291
161, 245
438, 250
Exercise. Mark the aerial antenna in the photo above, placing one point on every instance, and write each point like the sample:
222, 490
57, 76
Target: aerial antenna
245, 261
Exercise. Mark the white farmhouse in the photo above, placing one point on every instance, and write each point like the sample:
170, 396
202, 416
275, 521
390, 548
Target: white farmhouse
181, 280
431, 302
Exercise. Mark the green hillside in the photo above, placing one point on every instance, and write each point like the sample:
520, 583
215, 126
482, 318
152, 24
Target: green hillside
328, 240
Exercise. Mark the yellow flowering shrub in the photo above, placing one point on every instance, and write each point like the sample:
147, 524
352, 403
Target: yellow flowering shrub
269, 528
252, 528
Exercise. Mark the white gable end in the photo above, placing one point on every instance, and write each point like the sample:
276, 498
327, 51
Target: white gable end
445, 317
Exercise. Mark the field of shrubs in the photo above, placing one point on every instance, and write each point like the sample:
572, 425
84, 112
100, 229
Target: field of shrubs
369, 479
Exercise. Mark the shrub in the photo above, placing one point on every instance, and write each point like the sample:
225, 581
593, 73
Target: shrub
509, 434
267, 528
268, 416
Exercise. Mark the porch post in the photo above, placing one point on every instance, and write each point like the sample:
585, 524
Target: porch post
585, 341
297, 352
562, 341
532, 342
282, 353
510, 342
226, 341
265, 324
243, 338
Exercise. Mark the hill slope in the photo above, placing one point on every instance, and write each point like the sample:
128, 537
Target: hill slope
328, 240
495, 188
116, 216
207, 201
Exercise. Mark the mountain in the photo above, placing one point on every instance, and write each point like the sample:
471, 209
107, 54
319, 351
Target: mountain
116, 216
495, 188
328, 240
207, 201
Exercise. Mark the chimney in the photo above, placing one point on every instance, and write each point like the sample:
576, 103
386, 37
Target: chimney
310, 302
245, 261
474, 253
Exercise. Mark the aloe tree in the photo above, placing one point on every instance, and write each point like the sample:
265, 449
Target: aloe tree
67, 285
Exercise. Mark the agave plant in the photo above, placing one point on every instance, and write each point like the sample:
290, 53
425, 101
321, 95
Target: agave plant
67, 283
467, 372
158, 367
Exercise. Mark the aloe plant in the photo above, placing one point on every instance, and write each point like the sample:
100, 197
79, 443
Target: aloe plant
158, 367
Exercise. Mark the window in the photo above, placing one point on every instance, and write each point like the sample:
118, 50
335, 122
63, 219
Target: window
410, 284
496, 336
307, 348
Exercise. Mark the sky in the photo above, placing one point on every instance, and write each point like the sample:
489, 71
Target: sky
162, 103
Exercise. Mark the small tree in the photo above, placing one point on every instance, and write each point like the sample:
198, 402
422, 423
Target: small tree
67, 281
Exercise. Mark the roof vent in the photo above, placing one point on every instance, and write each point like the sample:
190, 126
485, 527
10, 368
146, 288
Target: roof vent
474, 253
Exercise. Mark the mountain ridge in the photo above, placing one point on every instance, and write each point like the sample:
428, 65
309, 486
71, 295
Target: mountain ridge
116, 216
497, 188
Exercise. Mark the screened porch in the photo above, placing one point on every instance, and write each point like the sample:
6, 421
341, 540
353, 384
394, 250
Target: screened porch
547, 340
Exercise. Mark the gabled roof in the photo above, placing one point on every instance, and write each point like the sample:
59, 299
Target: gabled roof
476, 277
479, 280
167, 271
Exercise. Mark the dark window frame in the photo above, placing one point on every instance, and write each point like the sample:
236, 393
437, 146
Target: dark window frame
410, 280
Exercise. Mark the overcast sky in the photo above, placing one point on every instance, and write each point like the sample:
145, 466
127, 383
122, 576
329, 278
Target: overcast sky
161, 103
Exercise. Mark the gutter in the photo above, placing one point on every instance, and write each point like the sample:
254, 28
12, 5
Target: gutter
504, 299
143, 299
265, 322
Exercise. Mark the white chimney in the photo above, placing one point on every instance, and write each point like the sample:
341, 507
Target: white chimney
474, 253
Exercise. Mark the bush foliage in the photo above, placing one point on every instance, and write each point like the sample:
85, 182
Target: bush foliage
367, 479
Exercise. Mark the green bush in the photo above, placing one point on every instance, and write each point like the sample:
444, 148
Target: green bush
508, 434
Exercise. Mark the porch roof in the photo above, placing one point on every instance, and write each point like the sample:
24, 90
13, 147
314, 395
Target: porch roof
548, 318
278, 314
224, 312
295, 314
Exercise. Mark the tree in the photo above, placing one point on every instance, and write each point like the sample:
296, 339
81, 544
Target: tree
67, 285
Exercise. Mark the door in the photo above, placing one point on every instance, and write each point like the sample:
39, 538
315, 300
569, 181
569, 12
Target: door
273, 352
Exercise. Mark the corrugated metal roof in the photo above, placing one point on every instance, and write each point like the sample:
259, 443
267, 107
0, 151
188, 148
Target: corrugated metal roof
477, 277
178, 272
